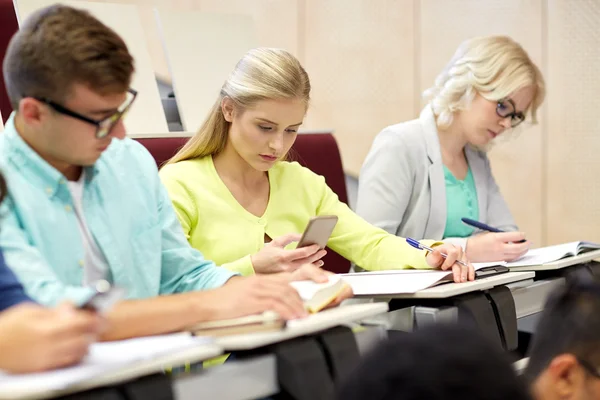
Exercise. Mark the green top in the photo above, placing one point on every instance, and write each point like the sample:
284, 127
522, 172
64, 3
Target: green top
461, 201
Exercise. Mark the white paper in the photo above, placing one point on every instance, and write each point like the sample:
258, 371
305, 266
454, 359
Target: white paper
367, 283
103, 357
401, 281
548, 254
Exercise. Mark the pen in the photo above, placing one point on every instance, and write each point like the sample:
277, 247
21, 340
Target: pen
484, 227
418, 245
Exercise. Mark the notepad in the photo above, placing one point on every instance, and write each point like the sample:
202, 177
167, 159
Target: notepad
373, 283
103, 358
548, 254
317, 296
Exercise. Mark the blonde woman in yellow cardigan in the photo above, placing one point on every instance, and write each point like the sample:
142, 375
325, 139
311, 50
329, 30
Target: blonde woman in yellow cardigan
242, 205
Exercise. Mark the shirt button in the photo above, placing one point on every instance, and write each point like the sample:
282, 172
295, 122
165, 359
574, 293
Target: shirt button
80, 262
68, 208
49, 190
61, 181
262, 222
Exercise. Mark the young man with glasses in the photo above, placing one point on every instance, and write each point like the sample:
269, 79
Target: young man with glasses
86, 203
564, 357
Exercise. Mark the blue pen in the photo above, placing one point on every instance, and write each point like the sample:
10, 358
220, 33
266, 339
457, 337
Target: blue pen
484, 227
418, 245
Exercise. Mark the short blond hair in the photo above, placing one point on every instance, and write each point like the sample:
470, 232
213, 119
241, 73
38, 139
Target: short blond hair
492, 66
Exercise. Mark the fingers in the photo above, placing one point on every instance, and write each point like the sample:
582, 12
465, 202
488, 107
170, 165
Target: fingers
284, 240
306, 254
310, 259
71, 351
515, 250
310, 272
507, 237
79, 322
282, 297
452, 254
471, 273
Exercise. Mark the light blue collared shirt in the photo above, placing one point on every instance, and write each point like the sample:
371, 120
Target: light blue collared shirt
127, 211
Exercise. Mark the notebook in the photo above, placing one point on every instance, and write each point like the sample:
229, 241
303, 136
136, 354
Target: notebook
548, 254
316, 296
103, 358
409, 280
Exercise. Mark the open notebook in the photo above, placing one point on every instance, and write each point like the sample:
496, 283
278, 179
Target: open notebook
106, 358
548, 254
409, 280
316, 296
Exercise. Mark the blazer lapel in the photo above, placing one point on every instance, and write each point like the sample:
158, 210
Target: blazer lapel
436, 223
477, 165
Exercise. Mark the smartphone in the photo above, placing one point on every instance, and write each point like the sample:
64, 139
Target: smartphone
318, 231
103, 297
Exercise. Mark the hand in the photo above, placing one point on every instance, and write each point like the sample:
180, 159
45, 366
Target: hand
274, 258
34, 338
310, 272
501, 246
256, 294
453, 253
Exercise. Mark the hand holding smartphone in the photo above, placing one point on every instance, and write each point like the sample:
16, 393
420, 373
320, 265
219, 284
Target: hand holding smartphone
318, 231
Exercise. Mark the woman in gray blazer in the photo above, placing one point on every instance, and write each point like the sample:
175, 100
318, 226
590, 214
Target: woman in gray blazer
421, 177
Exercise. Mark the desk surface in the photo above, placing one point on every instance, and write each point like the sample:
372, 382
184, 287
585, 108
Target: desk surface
454, 289
142, 368
562, 263
312, 324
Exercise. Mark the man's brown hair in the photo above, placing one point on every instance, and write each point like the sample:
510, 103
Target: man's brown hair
60, 46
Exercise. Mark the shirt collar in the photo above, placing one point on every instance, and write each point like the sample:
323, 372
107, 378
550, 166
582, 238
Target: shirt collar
31, 164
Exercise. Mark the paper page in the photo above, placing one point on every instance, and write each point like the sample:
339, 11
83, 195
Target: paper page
367, 283
476, 266
544, 255
103, 357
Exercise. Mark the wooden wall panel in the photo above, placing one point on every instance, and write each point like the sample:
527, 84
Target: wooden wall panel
516, 161
573, 126
276, 22
360, 59
200, 64
147, 115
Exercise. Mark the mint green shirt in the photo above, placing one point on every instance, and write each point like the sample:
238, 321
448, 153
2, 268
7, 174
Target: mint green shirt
128, 213
461, 202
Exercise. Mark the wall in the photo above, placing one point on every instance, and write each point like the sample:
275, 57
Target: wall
370, 60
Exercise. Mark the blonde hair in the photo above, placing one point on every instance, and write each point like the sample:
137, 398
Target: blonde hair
492, 66
262, 74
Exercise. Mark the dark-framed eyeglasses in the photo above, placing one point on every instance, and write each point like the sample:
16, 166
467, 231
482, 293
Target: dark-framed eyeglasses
506, 108
103, 126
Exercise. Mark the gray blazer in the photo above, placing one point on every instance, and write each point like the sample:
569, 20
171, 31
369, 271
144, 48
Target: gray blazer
402, 187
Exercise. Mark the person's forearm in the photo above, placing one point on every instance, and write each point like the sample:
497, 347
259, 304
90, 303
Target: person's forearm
157, 315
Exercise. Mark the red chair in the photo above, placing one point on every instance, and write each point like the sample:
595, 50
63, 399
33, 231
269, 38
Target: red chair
317, 151
163, 148
8, 26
